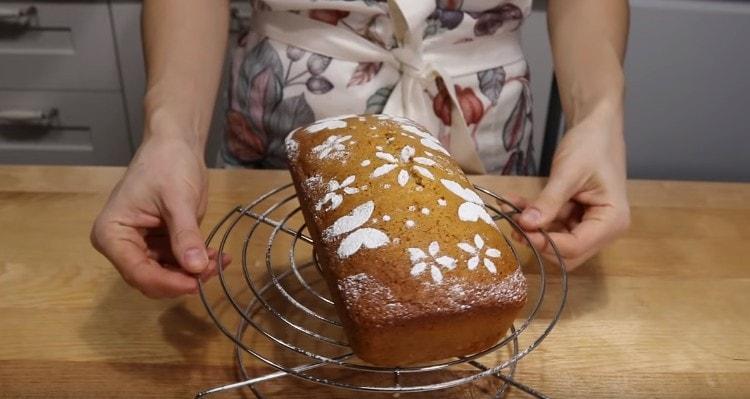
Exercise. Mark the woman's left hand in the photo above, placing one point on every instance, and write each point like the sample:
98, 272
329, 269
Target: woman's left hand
584, 205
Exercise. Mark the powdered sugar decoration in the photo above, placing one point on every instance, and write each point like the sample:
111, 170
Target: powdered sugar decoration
426, 139
356, 218
335, 193
478, 255
434, 145
422, 260
332, 147
402, 162
367, 237
360, 237
471, 210
313, 182
327, 124
292, 147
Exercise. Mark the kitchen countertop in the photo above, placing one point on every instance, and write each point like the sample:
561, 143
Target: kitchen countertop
664, 312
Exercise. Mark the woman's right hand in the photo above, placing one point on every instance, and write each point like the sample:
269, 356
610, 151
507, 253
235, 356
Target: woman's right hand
148, 228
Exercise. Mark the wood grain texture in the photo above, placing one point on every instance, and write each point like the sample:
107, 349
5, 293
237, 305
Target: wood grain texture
663, 312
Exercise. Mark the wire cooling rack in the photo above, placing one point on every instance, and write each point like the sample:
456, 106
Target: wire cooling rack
277, 311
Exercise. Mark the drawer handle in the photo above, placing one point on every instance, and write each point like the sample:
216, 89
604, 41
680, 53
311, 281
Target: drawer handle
32, 117
18, 17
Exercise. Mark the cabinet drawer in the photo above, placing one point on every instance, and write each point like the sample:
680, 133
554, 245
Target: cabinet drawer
40, 127
56, 45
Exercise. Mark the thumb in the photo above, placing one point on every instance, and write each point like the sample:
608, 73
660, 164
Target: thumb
185, 238
545, 208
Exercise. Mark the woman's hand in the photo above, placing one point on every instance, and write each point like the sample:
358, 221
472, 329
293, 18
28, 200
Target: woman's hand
584, 205
149, 227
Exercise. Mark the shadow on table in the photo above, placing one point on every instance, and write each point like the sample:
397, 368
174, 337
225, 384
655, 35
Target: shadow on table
586, 289
124, 330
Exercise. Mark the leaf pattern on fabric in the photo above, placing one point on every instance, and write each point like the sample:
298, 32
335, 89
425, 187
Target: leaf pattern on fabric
364, 73
265, 94
515, 126
518, 128
257, 131
489, 21
262, 56
491, 83
529, 162
376, 102
319, 85
291, 113
441, 103
514, 163
245, 144
447, 16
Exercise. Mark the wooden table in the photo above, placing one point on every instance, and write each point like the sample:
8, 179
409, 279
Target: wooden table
664, 312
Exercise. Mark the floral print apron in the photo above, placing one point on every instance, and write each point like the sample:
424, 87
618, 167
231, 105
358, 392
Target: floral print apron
454, 66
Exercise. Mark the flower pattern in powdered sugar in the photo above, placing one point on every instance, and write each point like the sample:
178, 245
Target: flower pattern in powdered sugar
332, 147
292, 146
336, 122
360, 237
471, 210
480, 254
335, 193
405, 160
422, 261
426, 139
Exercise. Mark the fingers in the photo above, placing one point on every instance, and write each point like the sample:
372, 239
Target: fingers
213, 269
599, 226
582, 242
567, 217
160, 251
185, 237
517, 200
545, 208
125, 248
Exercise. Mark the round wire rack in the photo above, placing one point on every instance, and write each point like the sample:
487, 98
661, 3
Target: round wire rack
276, 309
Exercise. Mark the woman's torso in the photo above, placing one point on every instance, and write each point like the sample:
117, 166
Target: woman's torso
281, 81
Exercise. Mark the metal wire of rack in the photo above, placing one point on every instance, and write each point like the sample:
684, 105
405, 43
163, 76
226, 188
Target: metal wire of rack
298, 334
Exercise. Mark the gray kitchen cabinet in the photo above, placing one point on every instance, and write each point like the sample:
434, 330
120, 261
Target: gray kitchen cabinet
63, 127
60, 91
63, 46
688, 72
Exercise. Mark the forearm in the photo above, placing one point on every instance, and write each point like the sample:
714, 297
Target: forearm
184, 45
588, 40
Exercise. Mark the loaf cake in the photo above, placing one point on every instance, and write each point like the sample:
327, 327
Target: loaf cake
416, 266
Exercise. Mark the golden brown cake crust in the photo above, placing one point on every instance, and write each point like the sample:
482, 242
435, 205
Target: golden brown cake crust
405, 243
